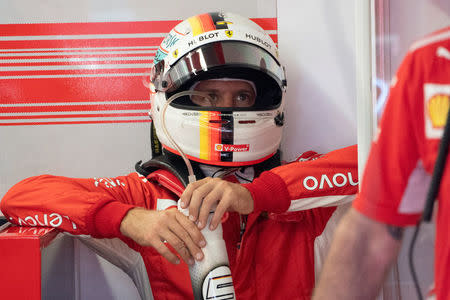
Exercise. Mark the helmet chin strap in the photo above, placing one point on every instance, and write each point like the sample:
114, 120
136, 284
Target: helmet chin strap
216, 171
191, 176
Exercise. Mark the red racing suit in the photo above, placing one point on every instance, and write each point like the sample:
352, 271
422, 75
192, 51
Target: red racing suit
272, 259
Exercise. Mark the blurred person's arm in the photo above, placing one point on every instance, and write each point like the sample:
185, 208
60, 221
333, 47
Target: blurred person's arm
360, 256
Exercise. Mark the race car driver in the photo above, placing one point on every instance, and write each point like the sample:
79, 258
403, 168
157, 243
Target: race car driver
217, 93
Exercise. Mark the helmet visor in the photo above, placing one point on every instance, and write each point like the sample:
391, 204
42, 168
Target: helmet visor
214, 58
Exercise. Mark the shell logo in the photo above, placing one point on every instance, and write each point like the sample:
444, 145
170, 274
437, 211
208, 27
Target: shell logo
219, 147
438, 107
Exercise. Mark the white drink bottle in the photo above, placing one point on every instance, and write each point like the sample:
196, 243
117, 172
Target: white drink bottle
211, 277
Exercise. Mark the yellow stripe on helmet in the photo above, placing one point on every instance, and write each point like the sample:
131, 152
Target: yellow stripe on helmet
205, 136
196, 25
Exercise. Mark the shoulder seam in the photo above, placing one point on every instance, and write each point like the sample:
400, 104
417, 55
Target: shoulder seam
430, 40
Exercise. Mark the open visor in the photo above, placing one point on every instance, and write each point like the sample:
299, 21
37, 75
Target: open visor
230, 59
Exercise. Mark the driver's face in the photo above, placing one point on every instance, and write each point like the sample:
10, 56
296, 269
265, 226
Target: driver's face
225, 93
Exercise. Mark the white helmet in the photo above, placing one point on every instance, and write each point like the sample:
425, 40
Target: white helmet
212, 46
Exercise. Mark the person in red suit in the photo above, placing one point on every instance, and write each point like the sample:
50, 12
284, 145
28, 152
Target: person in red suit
396, 180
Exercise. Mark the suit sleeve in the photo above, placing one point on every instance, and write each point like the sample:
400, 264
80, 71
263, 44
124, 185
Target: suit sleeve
93, 206
311, 181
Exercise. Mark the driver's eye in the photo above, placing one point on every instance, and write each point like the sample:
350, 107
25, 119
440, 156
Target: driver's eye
243, 97
213, 96
201, 100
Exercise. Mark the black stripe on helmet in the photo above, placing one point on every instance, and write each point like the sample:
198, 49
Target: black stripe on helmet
227, 136
218, 20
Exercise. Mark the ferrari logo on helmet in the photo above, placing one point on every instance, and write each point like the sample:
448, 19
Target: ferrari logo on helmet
175, 53
229, 33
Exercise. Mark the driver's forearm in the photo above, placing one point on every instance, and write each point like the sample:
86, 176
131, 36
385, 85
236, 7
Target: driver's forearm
360, 256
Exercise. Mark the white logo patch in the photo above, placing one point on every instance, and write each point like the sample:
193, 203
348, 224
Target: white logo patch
312, 183
218, 284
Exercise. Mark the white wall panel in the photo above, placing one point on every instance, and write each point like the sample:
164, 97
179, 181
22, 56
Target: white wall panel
316, 40
28, 11
317, 45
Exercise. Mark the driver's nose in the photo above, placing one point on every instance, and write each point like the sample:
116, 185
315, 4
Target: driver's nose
226, 100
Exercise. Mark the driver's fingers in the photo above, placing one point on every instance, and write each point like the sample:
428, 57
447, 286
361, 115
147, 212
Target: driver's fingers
193, 249
197, 199
192, 230
209, 202
185, 198
165, 252
222, 207
179, 246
